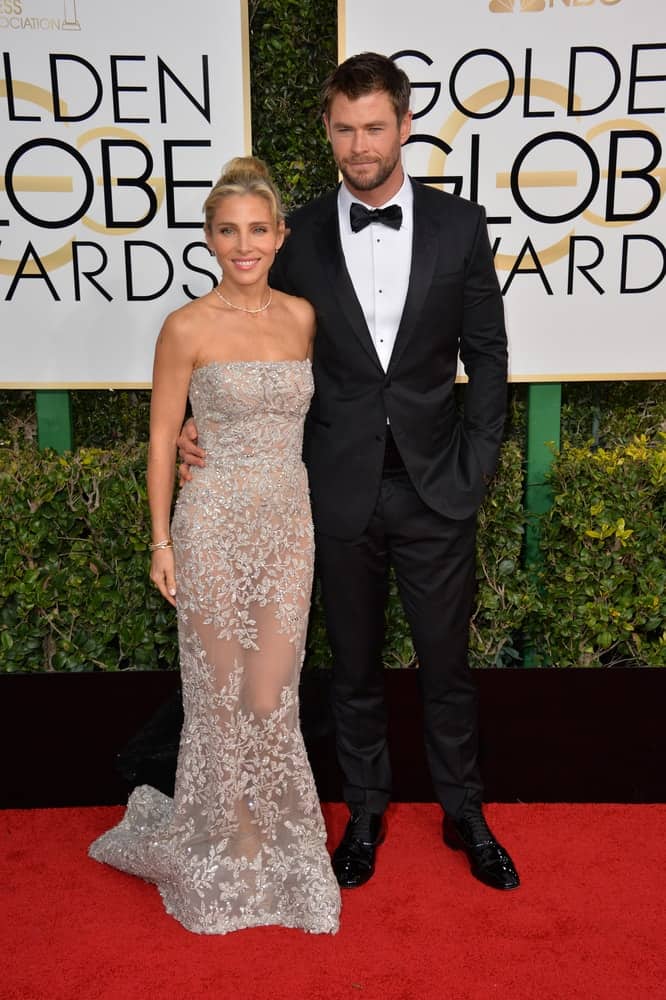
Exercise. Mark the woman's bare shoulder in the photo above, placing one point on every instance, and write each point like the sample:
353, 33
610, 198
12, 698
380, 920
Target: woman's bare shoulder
190, 314
183, 328
301, 310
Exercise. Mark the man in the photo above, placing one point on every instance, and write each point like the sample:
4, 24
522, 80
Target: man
402, 280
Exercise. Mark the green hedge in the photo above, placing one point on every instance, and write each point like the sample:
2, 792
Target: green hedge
74, 588
75, 595
293, 46
603, 576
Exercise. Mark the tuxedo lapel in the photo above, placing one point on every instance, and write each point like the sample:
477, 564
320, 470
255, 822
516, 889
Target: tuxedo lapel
339, 281
424, 258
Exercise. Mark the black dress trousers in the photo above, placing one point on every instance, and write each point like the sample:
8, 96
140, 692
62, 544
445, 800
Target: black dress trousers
434, 562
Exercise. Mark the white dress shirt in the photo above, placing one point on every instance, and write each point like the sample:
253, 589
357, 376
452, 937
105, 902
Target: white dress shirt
379, 260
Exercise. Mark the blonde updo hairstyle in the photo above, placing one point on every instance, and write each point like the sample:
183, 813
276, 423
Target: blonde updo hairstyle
244, 175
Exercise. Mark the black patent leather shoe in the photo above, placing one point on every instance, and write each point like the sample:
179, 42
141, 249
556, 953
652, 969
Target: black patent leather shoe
488, 860
354, 858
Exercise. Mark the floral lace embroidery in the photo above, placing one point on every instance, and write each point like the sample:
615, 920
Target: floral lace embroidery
242, 843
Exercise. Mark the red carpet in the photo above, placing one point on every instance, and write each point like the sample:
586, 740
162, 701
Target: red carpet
589, 921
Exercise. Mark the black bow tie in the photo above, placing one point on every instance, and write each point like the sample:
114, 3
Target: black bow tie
360, 216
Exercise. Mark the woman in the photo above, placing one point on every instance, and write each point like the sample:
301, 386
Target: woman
242, 843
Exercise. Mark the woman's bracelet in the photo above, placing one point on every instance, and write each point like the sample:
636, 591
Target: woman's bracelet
166, 543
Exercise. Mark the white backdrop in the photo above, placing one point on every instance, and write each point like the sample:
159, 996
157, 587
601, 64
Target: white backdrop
115, 118
526, 107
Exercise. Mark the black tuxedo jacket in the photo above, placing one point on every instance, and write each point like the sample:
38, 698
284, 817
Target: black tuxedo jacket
453, 305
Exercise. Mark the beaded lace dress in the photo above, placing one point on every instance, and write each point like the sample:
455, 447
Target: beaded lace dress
242, 842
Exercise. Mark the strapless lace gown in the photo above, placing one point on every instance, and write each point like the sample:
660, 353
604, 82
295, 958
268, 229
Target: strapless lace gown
242, 843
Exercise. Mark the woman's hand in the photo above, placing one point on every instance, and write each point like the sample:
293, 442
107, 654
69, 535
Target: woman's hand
162, 573
188, 451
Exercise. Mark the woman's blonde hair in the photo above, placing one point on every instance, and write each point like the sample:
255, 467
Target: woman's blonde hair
244, 175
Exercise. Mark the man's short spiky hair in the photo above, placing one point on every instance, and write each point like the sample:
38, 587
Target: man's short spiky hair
364, 74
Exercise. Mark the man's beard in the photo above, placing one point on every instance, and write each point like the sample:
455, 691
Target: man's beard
369, 182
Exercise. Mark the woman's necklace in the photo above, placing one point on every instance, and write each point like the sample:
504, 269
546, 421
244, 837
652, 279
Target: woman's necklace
253, 312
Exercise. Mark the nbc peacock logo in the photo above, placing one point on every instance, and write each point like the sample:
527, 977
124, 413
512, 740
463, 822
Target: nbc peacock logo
508, 6
534, 6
